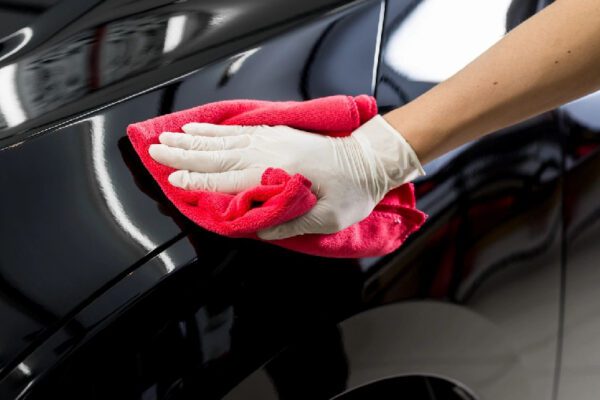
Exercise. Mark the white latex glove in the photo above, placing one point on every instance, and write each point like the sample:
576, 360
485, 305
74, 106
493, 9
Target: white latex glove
350, 174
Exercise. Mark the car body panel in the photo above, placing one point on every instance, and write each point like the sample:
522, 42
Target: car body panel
581, 340
84, 214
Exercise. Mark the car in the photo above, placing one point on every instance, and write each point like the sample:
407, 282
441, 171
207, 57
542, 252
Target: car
108, 292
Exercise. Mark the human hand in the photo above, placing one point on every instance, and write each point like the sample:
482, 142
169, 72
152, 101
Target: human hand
350, 174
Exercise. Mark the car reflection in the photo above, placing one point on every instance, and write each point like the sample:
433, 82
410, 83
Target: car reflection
99, 58
92, 59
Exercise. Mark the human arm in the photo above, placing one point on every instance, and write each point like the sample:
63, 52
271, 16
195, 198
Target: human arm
549, 59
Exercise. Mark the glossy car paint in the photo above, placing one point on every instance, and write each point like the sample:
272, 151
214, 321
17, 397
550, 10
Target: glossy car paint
108, 292
581, 338
83, 215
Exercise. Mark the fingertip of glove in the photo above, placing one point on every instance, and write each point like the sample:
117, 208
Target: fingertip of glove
178, 178
190, 127
154, 150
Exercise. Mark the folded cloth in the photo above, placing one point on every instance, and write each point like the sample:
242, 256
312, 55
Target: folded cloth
280, 196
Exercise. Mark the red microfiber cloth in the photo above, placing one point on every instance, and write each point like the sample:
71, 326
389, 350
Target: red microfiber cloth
281, 197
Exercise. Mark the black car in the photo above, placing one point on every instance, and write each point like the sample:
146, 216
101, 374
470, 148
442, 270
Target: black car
108, 292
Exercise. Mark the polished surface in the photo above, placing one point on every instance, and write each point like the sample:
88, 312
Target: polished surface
83, 55
107, 291
16, 15
206, 327
81, 213
580, 372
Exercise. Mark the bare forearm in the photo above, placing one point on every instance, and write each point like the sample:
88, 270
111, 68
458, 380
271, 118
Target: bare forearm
550, 59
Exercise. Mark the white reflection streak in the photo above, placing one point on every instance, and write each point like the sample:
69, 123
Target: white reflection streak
440, 37
10, 104
110, 196
235, 66
174, 33
27, 33
24, 368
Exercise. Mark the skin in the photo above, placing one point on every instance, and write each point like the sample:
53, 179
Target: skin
548, 60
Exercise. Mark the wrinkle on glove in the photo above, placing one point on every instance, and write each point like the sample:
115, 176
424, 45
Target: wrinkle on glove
281, 197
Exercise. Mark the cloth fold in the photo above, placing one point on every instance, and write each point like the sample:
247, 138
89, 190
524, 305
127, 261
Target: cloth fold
281, 197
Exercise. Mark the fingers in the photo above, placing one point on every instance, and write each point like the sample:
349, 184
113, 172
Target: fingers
203, 143
198, 161
320, 219
226, 182
204, 129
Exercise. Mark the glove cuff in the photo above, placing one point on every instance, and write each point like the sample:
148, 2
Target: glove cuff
398, 159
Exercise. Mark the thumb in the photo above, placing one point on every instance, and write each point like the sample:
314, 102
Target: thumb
314, 221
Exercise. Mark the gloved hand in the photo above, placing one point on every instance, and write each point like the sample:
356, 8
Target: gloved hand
350, 174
